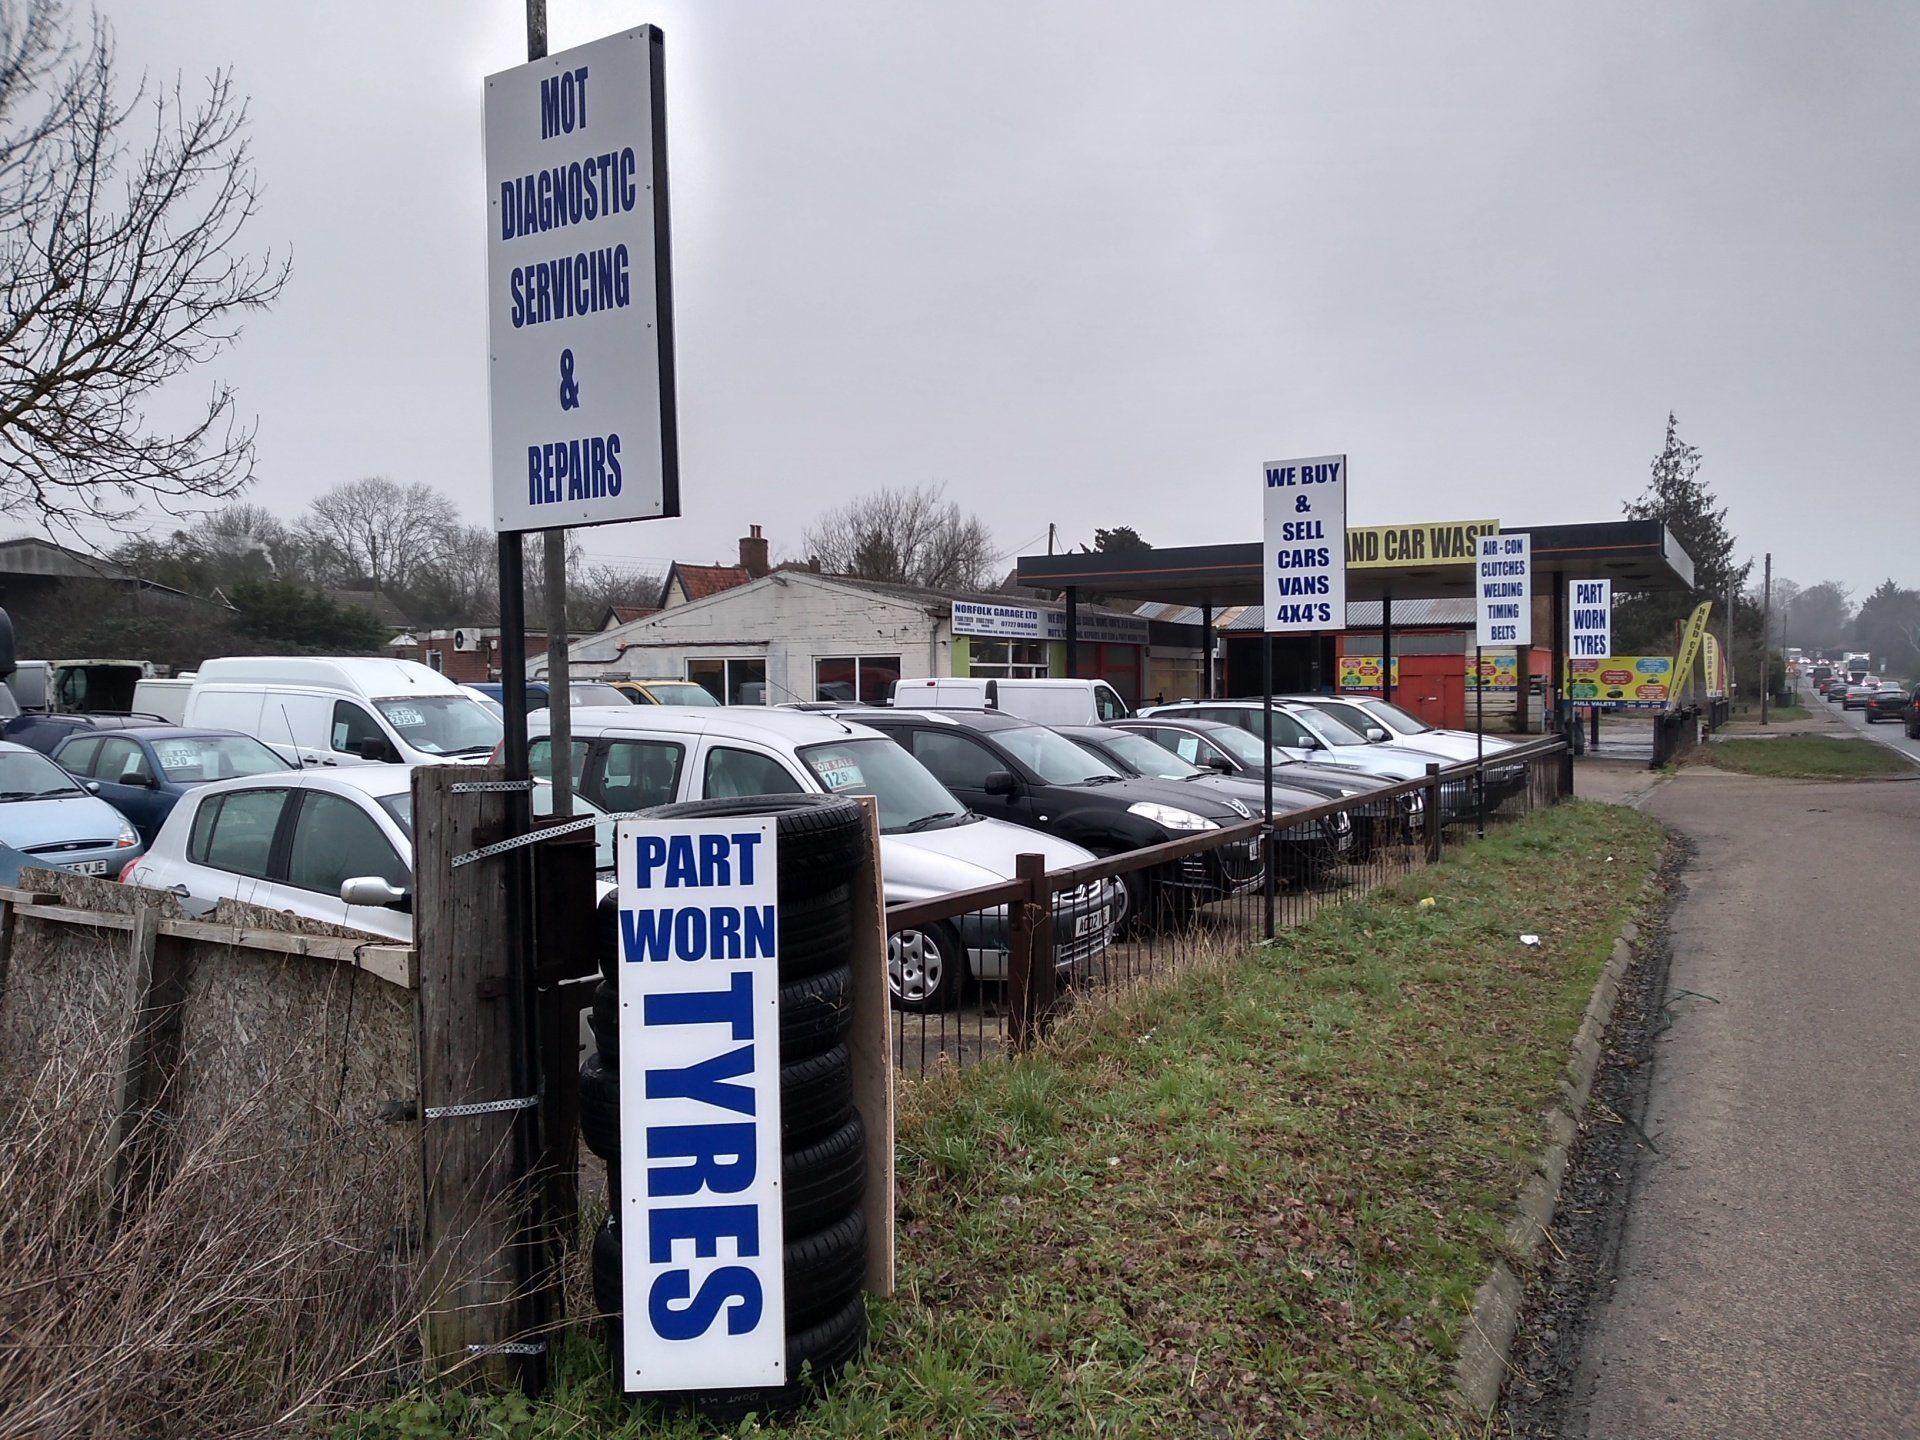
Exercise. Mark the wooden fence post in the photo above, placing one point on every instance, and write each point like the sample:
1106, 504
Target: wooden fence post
1030, 919
869, 1052
471, 1206
1434, 837
155, 991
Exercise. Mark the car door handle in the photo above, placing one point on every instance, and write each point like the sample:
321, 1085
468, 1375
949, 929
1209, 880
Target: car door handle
179, 890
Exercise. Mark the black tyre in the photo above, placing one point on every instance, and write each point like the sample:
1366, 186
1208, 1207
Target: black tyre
823, 1180
815, 1358
816, 1097
815, 1015
823, 838
816, 1101
600, 1108
926, 968
815, 933
825, 1271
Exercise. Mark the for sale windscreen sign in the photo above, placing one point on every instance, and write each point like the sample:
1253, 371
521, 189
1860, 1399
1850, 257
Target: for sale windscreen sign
579, 294
1503, 591
700, 1208
1306, 543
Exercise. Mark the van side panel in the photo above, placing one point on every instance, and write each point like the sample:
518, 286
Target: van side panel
223, 709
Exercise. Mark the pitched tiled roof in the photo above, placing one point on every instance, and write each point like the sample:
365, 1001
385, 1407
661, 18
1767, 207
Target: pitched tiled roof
700, 581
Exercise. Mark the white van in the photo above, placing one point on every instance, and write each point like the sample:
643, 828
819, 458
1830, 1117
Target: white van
165, 698
1048, 702
321, 711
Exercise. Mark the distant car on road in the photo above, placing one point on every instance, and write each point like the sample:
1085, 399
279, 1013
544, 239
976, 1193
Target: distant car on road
143, 773
45, 813
1857, 696
1889, 702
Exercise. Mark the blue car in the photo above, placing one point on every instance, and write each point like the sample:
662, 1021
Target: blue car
47, 816
143, 773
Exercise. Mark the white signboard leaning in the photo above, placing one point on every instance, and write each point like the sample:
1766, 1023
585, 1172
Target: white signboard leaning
1306, 543
579, 288
700, 1206
1503, 591
1589, 619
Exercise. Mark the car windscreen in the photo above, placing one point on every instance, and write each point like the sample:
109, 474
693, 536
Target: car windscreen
1148, 758
679, 692
909, 796
1054, 758
580, 695
1347, 713
27, 775
1244, 747
1325, 728
443, 724
192, 759
1394, 718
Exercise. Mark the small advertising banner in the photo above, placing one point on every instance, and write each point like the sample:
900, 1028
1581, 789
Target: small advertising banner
1306, 542
1690, 649
1589, 619
1362, 672
700, 1204
1503, 591
1499, 673
1621, 682
1716, 667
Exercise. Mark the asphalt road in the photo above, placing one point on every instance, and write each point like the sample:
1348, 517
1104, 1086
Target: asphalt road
1886, 732
1769, 1276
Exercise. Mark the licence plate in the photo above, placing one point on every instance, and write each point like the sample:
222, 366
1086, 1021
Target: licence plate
88, 867
1253, 849
1091, 921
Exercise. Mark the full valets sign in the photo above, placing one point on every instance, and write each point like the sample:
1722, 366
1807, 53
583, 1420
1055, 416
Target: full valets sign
700, 1202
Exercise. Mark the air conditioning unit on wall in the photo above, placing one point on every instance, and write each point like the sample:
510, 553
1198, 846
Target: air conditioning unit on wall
465, 640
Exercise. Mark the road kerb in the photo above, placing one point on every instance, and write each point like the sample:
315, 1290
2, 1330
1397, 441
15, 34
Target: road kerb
1485, 1346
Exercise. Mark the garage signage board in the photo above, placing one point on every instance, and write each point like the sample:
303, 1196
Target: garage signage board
1503, 591
1305, 511
1589, 619
579, 288
700, 1205
1435, 542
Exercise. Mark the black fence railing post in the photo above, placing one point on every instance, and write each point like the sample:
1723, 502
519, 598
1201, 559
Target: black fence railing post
1029, 955
1434, 817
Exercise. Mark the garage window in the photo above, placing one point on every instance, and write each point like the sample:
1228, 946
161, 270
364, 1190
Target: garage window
1008, 659
730, 681
855, 679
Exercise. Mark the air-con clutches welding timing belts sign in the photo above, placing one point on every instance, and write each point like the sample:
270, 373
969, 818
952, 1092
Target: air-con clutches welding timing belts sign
579, 288
1305, 509
1503, 591
700, 1202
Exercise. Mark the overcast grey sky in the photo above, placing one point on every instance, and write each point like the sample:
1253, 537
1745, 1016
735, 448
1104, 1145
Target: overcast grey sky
1092, 263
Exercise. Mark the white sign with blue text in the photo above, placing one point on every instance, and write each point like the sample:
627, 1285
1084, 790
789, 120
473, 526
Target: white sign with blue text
1306, 543
700, 1208
579, 297
1589, 619
1503, 591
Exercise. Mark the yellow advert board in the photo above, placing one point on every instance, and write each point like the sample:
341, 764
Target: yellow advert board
1436, 542
1621, 682
1500, 667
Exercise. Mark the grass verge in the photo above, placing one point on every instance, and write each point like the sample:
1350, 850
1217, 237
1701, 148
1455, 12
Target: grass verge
1257, 1200
1807, 757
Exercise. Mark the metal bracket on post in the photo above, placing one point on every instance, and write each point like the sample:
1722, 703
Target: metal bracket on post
479, 1107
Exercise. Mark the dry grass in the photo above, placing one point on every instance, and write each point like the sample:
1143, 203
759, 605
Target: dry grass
257, 1282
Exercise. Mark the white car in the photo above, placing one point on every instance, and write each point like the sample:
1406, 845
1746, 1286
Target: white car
332, 845
636, 756
1381, 721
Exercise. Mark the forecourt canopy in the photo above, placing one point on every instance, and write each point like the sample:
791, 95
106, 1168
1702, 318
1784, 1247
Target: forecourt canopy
1403, 562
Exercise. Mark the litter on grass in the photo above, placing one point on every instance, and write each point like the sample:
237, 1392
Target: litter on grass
1529, 939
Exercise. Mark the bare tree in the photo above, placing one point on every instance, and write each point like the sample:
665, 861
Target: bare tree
376, 529
121, 267
913, 537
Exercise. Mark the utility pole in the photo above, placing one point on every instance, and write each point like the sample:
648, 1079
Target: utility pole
1049, 537
1766, 627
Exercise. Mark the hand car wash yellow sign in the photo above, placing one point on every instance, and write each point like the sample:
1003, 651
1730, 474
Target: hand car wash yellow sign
1440, 542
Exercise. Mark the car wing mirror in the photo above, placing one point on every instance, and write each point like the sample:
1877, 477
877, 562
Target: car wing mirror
373, 890
93, 787
1376, 734
1001, 782
375, 747
1219, 764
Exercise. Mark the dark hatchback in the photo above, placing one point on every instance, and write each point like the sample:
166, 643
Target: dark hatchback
45, 732
143, 773
1013, 769
1302, 850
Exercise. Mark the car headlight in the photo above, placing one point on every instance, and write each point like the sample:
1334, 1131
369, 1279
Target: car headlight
127, 836
1171, 816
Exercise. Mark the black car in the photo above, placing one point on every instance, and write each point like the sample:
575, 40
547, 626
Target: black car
1013, 769
45, 732
1301, 850
1889, 702
1231, 750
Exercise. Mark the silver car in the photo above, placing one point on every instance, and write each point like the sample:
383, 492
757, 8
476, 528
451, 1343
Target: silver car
49, 816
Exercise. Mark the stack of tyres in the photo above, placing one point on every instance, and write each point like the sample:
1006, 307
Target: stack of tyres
822, 843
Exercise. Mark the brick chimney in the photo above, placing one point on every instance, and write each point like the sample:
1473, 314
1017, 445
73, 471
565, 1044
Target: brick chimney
753, 552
